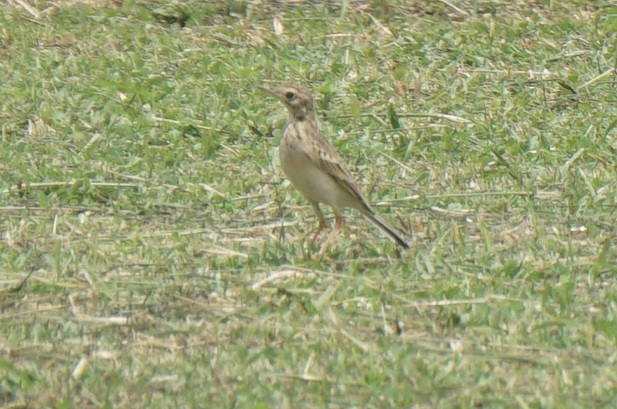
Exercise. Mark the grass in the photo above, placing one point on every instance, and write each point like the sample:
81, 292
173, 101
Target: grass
153, 255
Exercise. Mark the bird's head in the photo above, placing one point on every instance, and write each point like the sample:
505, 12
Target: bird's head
298, 101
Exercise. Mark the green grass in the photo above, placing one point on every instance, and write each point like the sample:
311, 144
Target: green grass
152, 254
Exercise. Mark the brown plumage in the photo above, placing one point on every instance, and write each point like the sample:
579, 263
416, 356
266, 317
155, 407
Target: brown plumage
314, 167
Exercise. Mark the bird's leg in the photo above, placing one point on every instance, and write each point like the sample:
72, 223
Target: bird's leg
322, 225
338, 226
322, 222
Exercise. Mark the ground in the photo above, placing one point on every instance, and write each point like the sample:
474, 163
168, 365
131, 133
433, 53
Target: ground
153, 255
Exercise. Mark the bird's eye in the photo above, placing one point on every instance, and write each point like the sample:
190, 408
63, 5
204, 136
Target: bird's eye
290, 95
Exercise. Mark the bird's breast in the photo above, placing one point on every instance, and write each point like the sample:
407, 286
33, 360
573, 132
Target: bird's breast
308, 177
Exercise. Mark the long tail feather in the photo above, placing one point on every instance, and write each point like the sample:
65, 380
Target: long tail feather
387, 229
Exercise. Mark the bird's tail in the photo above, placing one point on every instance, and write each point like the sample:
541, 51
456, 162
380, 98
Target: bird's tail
387, 229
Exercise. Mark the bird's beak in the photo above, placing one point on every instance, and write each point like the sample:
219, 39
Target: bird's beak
269, 91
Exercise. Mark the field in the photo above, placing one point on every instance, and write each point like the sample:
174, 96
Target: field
153, 255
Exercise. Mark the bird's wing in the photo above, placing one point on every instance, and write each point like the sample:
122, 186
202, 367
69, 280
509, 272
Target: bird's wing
326, 157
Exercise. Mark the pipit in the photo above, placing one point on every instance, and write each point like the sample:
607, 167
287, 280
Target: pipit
314, 167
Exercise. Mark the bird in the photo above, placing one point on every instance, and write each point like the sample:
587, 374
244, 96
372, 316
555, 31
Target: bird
314, 167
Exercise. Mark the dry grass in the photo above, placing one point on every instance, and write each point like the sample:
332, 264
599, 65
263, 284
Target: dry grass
153, 256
